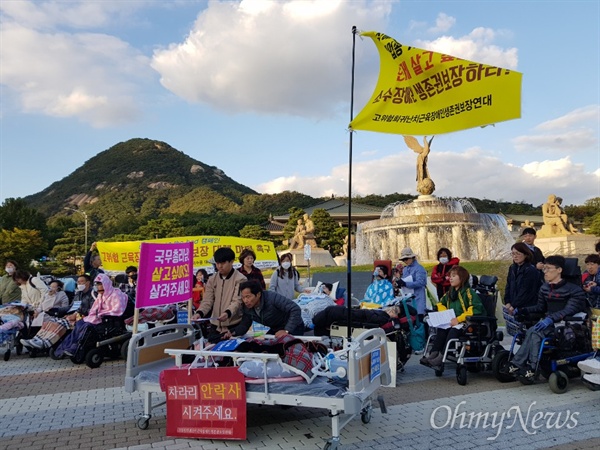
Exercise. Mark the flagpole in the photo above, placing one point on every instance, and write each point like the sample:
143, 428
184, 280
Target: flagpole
349, 251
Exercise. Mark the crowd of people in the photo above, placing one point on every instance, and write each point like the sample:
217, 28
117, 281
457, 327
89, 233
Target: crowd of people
231, 299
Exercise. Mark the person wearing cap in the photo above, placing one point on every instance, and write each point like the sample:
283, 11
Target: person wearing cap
528, 237
414, 276
557, 299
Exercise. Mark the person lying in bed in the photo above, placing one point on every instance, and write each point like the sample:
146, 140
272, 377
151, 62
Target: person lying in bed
384, 318
280, 314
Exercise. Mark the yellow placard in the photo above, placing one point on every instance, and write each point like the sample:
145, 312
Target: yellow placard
116, 256
422, 92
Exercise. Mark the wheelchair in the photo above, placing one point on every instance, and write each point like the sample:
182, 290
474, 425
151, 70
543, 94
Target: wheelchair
477, 349
108, 339
558, 354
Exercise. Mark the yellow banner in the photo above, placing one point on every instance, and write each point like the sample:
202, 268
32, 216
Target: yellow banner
426, 93
116, 256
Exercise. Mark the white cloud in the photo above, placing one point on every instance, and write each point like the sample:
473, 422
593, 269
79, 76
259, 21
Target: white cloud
576, 131
48, 15
93, 77
587, 114
472, 173
285, 57
476, 46
443, 23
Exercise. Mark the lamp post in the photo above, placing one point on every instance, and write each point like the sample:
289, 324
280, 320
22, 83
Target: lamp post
86, 224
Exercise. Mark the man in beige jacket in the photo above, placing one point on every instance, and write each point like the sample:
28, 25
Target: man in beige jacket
222, 293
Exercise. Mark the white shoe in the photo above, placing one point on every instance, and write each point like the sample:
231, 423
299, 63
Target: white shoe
593, 378
589, 366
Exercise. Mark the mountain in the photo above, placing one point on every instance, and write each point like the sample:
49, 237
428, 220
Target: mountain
142, 177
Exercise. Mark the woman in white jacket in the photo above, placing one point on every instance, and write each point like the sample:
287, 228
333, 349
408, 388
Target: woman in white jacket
33, 288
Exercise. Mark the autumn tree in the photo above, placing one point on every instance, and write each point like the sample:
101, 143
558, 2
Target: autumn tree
21, 245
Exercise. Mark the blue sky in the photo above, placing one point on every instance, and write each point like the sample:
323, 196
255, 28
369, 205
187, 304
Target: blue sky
261, 90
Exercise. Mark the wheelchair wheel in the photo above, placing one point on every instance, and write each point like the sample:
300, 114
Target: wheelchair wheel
78, 357
559, 382
461, 375
94, 358
124, 349
53, 355
500, 365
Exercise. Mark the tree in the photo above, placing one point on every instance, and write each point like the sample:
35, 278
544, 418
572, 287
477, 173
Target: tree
290, 227
326, 232
594, 226
68, 252
21, 245
255, 232
15, 213
161, 228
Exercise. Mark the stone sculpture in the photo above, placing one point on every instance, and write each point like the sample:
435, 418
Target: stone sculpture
425, 185
556, 222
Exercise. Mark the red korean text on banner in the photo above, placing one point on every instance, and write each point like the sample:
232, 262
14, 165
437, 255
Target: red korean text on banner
207, 403
164, 274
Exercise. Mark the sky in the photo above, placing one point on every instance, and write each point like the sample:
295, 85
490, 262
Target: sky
261, 89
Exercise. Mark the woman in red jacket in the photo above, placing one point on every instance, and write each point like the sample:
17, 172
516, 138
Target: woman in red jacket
439, 275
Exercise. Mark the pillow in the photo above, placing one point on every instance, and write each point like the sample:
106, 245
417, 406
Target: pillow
333, 289
255, 369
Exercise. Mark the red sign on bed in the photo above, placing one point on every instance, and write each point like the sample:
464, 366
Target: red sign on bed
207, 403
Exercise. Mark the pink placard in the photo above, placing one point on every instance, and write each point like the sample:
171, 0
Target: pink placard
165, 274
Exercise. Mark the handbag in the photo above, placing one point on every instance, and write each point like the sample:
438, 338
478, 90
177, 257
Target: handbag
416, 338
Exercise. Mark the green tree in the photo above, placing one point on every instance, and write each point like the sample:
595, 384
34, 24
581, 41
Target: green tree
290, 227
21, 245
16, 213
161, 228
594, 227
255, 232
327, 232
68, 252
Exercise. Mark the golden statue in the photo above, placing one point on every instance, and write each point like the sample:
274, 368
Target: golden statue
425, 185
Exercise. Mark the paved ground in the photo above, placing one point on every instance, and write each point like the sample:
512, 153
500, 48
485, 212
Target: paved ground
46, 404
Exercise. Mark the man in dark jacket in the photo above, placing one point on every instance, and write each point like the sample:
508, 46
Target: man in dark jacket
528, 236
557, 299
280, 314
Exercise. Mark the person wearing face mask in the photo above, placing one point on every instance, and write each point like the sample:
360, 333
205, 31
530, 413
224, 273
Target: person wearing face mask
53, 299
9, 290
129, 288
108, 302
56, 327
414, 276
381, 290
286, 279
439, 274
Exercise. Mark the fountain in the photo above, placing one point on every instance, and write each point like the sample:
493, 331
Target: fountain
428, 223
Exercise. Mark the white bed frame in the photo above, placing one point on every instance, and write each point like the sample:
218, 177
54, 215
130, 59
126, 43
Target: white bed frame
358, 398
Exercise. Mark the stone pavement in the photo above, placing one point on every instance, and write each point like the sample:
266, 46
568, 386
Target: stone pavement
46, 404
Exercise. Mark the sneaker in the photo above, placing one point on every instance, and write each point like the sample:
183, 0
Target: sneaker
419, 352
513, 369
424, 360
68, 353
26, 343
589, 366
529, 374
593, 378
36, 343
